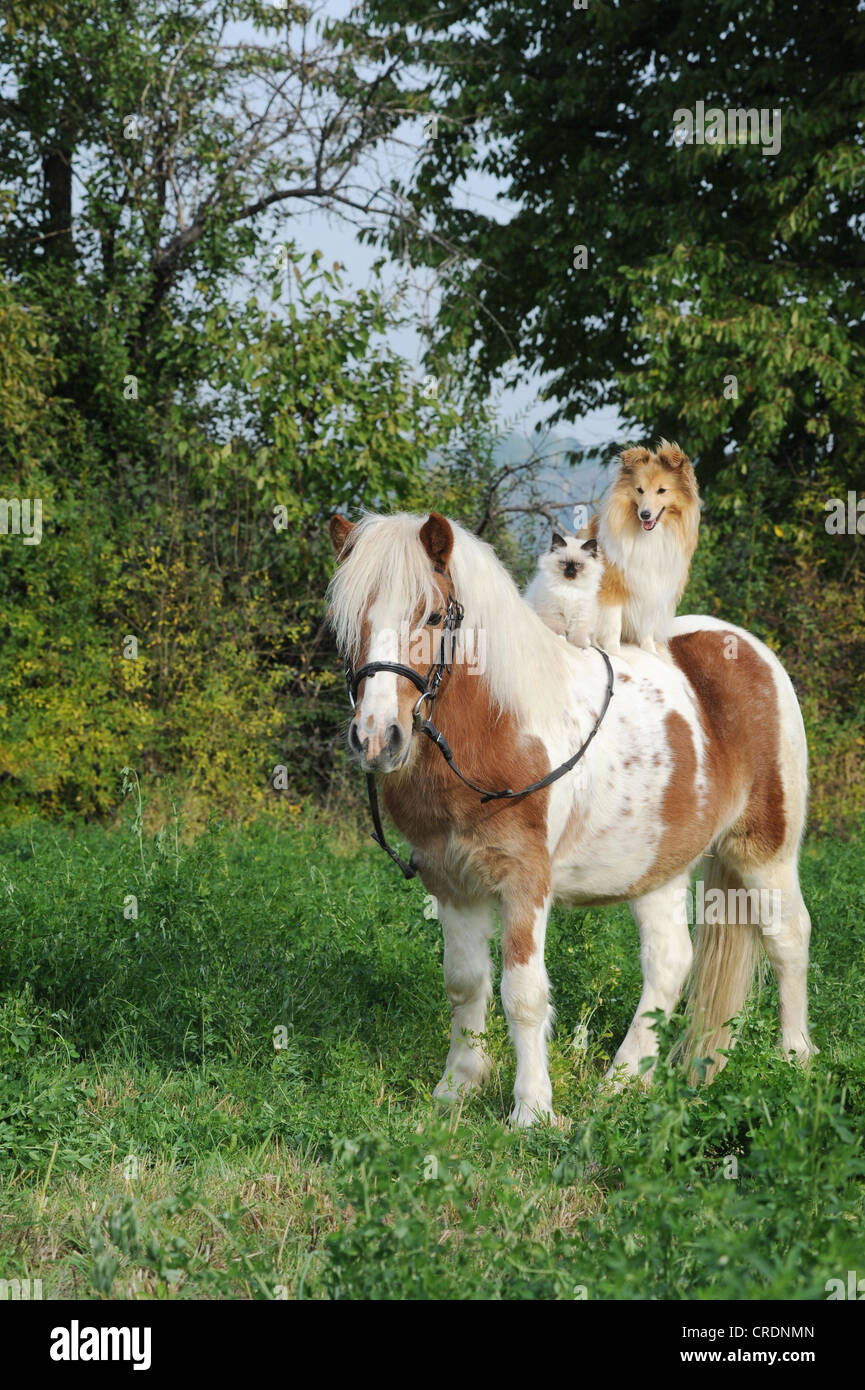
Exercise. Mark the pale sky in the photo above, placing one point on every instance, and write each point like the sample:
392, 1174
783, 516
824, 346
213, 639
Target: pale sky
334, 237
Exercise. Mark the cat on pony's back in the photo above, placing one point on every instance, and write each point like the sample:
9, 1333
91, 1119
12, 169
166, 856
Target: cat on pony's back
564, 590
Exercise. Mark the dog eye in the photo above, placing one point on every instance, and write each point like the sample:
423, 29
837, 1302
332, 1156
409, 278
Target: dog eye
640, 491
662, 489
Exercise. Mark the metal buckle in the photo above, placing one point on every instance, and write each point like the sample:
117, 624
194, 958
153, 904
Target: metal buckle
349, 682
416, 719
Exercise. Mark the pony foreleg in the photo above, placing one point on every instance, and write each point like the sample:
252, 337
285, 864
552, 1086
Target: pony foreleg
467, 932
526, 1001
665, 956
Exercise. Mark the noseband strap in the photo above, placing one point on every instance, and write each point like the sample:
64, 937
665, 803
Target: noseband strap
429, 688
354, 678
428, 685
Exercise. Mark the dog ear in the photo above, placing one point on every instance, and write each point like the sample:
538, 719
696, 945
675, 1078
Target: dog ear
559, 542
437, 538
340, 530
591, 546
632, 457
671, 455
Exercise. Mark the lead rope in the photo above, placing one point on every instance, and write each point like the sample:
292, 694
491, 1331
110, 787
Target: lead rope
427, 727
438, 738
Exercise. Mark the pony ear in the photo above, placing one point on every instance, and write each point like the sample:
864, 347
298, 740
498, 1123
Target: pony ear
671, 455
437, 538
591, 546
632, 457
340, 530
559, 542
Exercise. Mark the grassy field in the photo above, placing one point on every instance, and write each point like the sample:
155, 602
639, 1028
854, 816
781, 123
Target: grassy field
229, 1094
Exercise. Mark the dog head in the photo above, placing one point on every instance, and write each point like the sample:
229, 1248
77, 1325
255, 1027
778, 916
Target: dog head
656, 487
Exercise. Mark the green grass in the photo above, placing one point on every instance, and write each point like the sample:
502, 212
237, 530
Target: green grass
154, 1142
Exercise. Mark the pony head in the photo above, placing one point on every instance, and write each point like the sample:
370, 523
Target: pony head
389, 598
388, 602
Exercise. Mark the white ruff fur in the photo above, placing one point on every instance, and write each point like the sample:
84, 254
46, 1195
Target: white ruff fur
605, 819
655, 570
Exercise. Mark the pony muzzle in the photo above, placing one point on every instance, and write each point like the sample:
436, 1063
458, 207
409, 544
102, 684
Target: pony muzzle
382, 749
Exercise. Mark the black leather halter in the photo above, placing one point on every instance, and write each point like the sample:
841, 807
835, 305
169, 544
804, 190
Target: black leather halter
429, 687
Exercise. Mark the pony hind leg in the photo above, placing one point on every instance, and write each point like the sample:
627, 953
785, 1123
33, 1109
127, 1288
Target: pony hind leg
468, 982
753, 904
665, 956
785, 931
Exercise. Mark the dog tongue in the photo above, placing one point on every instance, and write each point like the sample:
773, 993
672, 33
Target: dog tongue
648, 525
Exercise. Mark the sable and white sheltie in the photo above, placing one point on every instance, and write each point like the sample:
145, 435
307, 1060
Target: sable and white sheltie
647, 529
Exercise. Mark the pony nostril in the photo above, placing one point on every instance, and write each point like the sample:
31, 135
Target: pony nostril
394, 740
354, 740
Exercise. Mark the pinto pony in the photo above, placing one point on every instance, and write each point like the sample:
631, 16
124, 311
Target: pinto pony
701, 756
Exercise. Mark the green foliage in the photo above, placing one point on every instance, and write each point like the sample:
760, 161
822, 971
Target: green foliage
704, 260
26, 373
229, 1095
213, 555
130, 1233
733, 1188
189, 398
767, 561
422, 1222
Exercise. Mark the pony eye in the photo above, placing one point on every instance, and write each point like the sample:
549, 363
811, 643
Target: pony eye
640, 491
433, 619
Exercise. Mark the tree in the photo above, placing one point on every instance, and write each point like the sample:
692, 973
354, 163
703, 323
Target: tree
709, 290
147, 150
188, 398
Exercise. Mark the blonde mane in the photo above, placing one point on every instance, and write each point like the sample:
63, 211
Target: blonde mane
527, 666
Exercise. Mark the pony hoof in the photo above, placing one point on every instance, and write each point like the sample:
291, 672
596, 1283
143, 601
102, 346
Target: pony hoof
523, 1115
618, 1077
612, 1085
800, 1050
454, 1087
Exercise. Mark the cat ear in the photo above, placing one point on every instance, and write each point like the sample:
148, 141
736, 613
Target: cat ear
559, 542
591, 546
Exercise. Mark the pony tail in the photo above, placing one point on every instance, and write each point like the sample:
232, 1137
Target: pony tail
726, 957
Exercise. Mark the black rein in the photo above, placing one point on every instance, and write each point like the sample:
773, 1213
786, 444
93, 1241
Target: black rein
429, 688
